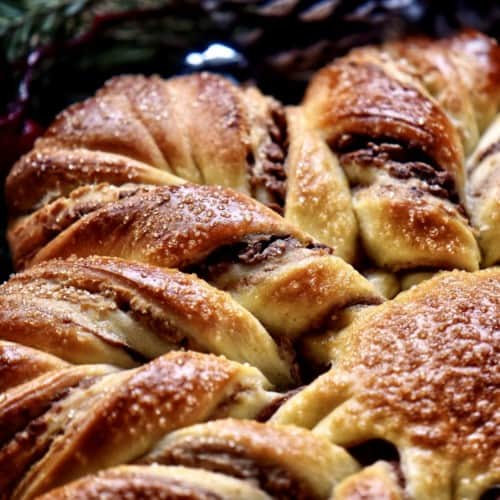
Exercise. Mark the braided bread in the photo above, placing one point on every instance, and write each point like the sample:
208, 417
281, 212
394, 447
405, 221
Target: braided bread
208, 131
161, 483
104, 310
77, 420
421, 372
398, 119
157, 316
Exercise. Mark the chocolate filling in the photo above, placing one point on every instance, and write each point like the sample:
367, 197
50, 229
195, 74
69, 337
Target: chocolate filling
236, 461
253, 249
401, 161
269, 410
269, 174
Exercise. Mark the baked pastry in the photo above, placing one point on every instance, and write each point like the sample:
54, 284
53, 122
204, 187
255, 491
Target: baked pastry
410, 407
280, 462
19, 364
200, 128
162, 483
401, 118
398, 119
419, 372
102, 391
73, 421
285, 461
107, 310
378, 481
228, 239
484, 193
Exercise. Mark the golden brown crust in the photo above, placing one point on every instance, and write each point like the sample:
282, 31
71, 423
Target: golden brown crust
418, 372
29, 234
103, 309
51, 171
484, 193
462, 73
171, 227
20, 364
285, 461
318, 197
421, 372
423, 231
395, 115
227, 238
378, 481
114, 417
478, 61
400, 111
120, 136
26, 402
358, 96
162, 483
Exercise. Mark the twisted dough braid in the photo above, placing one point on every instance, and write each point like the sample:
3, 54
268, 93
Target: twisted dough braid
281, 462
285, 461
375, 153
72, 421
398, 119
230, 240
484, 193
421, 372
161, 483
106, 310
19, 364
200, 128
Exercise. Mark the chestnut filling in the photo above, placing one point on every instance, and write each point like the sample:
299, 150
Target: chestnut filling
236, 461
269, 174
490, 150
269, 410
400, 160
251, 250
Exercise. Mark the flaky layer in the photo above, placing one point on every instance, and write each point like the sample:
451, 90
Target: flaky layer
108, 310
78, 420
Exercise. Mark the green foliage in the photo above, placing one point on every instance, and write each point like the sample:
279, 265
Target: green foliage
28, 24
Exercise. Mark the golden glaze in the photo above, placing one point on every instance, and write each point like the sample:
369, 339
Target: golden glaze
421, 372
108, 178
161, 483
19, 364
399, 117
103, 309
484, 193
172, 226
359, 96
151, 131
182, 226
285, 461
111, 418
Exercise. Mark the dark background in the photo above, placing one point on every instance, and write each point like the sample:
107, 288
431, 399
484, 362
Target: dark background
51, 58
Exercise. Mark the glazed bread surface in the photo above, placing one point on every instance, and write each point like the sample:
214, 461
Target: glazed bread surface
200, 310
